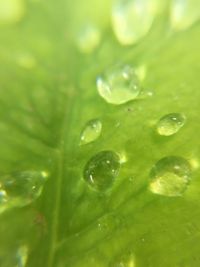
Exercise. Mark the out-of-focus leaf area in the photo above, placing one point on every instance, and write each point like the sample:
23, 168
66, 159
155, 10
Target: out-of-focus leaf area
99, 133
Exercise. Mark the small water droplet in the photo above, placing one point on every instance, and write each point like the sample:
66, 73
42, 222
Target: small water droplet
170, 176
19, 189
118, 84
91, 131
184, 13
170, 124
11, 11
132, 19
88, 38
101, 170
22, 256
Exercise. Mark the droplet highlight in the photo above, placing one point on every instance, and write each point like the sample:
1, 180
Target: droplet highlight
88, 38
91, 131
101, 170
184, 13
20, 189
132, 19
118, 85
170, 176
170, 124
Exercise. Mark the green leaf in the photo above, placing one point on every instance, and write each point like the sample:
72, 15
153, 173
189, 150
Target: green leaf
50, 60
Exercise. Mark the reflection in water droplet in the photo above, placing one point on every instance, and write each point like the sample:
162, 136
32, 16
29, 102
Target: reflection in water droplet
22, 256
170, 124
184, 13
11, 11
170, 176
91, 131
101, 170
132, 19
118, 85
21, 188
88, 38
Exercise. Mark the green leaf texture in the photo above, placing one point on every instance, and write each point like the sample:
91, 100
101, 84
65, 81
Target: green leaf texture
48, 93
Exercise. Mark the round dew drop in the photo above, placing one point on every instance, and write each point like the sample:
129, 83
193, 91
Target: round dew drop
21, 188
91, 131
101, 170
88, 38
118, 85
170, 176
170, 124
132, 19
184, 13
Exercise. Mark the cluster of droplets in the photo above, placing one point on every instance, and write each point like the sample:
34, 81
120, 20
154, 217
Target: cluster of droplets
117, 86
19, 189
121, 83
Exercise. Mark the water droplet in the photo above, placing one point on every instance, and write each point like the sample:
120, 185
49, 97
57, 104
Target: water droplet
88, 38
184, 13
132, 19
19, 189
22, 256
118, 85
170, 124
170, 176
101, 170
11, 11
91, 131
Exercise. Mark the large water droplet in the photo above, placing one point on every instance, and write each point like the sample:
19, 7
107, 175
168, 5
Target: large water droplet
118, 84
11, 11
101, 170
170, 176
170, 124
88, 38
132, 19
19, 189
91, 131
184, 13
